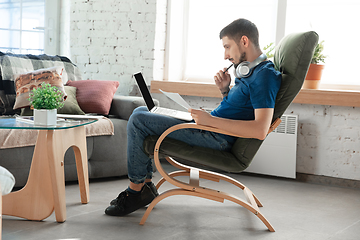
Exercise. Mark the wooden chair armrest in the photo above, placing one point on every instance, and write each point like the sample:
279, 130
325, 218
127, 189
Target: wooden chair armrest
273, 126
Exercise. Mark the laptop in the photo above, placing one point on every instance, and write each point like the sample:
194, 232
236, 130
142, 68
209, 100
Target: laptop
151, 105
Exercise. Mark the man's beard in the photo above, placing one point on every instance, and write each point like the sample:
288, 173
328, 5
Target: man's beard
242, 59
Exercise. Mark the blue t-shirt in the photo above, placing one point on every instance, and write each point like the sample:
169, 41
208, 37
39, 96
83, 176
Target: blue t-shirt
259, 90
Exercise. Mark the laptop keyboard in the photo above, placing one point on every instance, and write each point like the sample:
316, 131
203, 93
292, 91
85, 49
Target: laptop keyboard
166, 111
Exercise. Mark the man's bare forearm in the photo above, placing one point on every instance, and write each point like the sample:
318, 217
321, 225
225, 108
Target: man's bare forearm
257, 128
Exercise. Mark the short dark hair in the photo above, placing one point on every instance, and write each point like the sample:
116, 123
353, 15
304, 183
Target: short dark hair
241, 27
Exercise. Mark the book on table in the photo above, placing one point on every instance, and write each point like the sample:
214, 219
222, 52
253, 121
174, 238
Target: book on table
61, 118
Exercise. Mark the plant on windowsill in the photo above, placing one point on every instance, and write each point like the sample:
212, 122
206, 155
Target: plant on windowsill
269, 50
45, 100
313, 77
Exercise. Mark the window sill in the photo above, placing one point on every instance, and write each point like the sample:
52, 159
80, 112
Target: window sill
335, 97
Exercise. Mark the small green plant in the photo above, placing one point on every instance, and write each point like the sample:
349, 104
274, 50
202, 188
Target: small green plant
46, 97
318, 56
269, 50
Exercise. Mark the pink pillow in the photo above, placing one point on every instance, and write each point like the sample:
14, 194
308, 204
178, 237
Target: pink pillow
94, 96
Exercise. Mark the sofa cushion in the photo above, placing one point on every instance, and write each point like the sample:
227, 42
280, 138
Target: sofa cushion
95, 96
12, 64
71, 105
26, 82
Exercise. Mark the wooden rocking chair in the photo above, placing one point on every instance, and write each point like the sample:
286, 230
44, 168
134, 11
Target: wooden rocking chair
292, 58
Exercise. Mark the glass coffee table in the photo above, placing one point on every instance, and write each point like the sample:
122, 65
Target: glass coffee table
44, 191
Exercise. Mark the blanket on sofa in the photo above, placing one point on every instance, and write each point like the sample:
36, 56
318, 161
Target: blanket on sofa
11, 138
12, 64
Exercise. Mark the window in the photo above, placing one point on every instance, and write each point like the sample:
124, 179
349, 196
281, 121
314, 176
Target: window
29, 26
335, 22
194, 51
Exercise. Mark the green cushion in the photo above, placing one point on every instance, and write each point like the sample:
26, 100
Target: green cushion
71, 105
292, 58
222, 160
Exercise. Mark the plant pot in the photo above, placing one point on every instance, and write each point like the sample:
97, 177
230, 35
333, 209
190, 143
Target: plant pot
313, 76
45, 116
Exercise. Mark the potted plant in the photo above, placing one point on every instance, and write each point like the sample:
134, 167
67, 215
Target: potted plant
313, 77
269, 50
45, 100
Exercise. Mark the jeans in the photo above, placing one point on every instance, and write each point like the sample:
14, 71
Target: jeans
142, 123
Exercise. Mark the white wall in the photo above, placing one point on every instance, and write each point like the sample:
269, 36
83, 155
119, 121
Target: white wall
110, 40
328, 140
65, 28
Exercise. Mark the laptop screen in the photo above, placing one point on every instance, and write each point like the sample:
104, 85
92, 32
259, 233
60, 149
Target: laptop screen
144, 90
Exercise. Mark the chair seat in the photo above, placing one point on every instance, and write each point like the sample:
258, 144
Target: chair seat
222, 160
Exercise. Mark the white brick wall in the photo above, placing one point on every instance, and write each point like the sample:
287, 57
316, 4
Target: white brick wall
328, 140
112, 39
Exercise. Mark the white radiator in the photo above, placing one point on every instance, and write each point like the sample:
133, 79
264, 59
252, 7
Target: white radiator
277, 154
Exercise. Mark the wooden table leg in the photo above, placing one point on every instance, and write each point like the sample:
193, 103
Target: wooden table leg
81, 159
58, 142
35, 200
56, 163
45, 188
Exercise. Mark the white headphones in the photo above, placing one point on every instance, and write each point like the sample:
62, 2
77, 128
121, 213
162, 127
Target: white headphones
244, 69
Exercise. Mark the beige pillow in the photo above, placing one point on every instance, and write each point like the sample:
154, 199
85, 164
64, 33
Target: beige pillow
24, 83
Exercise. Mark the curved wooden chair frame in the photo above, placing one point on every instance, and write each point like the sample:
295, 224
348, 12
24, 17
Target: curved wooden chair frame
193, 187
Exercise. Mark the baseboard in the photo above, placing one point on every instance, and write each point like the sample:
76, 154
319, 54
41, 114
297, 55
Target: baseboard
325, 180
316, 179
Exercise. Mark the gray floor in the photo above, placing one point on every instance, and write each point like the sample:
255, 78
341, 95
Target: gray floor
297, 210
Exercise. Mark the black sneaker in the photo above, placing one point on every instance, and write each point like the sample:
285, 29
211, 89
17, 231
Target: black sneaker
152, 187
128, 202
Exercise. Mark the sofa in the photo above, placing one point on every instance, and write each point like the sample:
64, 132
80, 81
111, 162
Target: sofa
106, 153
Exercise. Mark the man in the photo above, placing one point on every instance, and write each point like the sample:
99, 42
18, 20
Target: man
246, 110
